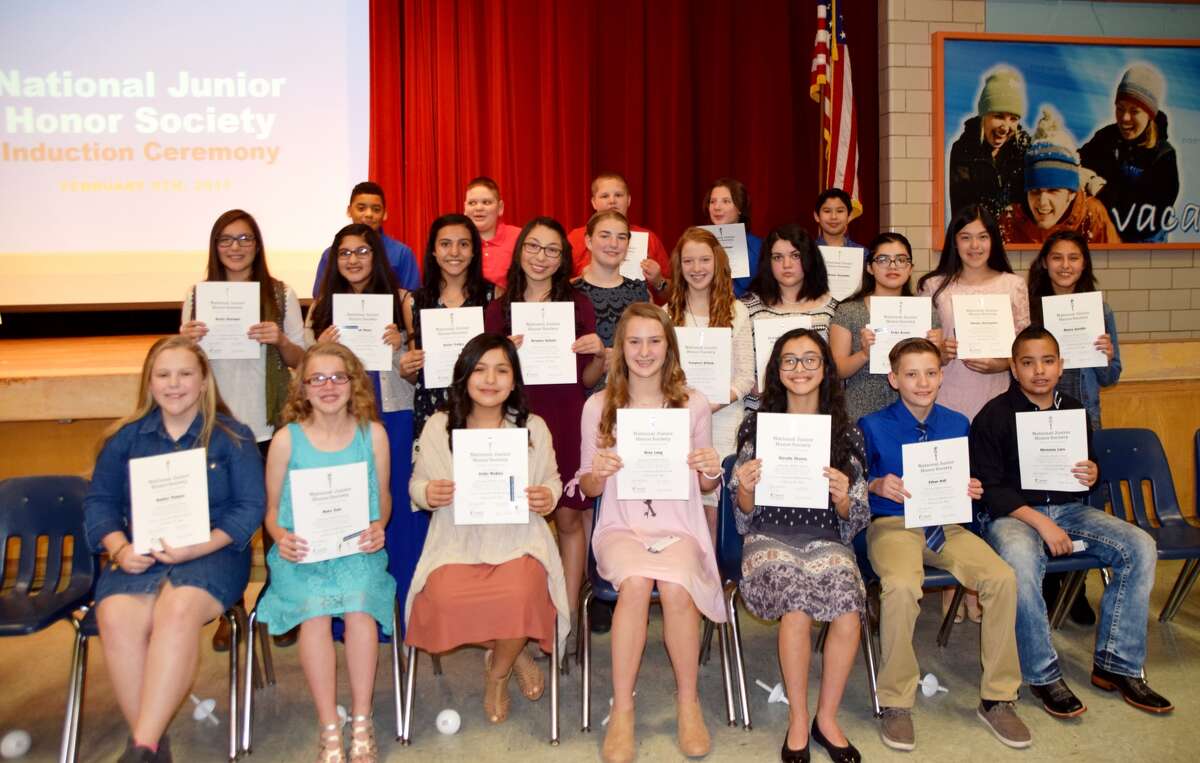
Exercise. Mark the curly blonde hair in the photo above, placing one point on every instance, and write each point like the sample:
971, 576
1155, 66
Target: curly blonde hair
720, 290
616, 392
362, 393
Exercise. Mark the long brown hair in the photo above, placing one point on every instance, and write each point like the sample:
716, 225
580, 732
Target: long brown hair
362, 394
720, 290
269, 308
616, 391
211, 403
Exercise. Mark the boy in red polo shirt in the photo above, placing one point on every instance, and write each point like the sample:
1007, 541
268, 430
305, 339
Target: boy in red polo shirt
485, 208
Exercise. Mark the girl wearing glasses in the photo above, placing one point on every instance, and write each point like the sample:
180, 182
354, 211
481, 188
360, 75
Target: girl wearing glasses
607, 239
541, 272
887, 273
797, 564
331, 421
453, 277
254, 388
361, 271
496, 586
151, 606
702, 297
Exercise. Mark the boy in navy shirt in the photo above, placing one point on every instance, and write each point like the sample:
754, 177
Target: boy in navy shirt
368, 207
899, 555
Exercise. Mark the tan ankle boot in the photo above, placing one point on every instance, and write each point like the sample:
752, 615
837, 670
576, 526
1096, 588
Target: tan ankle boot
619, 743
694, 740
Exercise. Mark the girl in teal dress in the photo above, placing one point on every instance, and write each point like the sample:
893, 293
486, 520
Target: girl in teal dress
331, 421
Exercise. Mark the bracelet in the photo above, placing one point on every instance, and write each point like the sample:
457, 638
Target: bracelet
114, 561
716, 476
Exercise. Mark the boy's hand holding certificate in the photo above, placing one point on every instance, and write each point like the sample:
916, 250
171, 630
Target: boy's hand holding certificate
330, 509
491, 472
1049, 445
169, 500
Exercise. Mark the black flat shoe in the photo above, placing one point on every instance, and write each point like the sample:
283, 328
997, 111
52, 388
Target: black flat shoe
601, 615
1134, 690
788, 755
1058, 699
847, 754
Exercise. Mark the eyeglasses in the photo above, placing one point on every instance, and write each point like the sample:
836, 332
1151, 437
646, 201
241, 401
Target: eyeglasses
320, 380
886, 261
789, 362
228, 242
532, 248
363, 252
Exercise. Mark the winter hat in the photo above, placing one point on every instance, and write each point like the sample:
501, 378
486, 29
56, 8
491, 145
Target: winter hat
1144, 84
1003, 91
1051, 161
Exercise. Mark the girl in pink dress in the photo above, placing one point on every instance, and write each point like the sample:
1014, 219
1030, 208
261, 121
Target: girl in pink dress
645, 373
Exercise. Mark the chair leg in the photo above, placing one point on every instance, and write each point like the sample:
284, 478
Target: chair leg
397, 697
739, 662
584, 592
1066, 595
235, 645
943, 637
726, 672
437, 664
868, 647
819, 644
585, 656
268, 662
554, 687
706, 640
410, 683
68, 748
250, 685
1181, 589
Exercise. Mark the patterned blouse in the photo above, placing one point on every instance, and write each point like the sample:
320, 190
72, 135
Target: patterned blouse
427, 401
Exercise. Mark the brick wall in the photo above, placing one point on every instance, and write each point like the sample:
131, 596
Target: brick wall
1155, 294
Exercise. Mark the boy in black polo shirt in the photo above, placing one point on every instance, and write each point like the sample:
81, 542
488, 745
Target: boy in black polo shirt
1028, 525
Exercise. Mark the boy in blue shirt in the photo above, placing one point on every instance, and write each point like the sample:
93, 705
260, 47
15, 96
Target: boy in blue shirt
899, 555
368, 207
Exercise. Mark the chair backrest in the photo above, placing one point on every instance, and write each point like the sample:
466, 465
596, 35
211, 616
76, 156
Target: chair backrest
1135, 456
729, 540
32, 508
1196, 470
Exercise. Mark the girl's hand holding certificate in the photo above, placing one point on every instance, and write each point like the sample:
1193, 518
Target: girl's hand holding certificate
541, 499
839, 489
749, 474
371, 539
588, 344
706, 461
439, 493
131, 561
179, 554
292, 547
605, 464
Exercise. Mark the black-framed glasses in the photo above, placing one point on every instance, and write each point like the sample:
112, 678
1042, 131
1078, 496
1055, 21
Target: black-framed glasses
887, 261
363, 252
320, 380
552, 251
789, 362
228, 242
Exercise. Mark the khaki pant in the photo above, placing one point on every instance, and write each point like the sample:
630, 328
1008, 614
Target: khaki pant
898, 556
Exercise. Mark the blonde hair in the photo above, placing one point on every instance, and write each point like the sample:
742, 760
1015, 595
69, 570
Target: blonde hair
720, 290
616, 392
362, 395
210, 402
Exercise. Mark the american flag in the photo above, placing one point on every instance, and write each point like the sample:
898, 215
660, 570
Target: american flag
830, 85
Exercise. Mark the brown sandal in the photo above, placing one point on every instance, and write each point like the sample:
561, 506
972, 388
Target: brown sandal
326, 752
529, 677
496, 701
362, 740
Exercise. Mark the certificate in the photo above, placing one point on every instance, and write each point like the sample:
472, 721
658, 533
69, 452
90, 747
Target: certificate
844, 264
639, 245
361, 320
706, 355
330, 509
653, 444
444, 332
169, 500
937, 475
983, 325
894, 319
1049, 444
794, 448
491, 472
766, 332
549, 331
733, 240
1077, 321
228, 309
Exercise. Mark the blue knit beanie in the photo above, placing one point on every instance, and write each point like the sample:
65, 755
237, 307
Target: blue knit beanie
1051, 161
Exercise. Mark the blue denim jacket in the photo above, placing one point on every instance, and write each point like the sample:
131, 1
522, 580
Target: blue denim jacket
1092, 379
237, 497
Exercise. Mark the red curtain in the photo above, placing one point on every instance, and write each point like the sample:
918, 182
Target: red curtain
543, 94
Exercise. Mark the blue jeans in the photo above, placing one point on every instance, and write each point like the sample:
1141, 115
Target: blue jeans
1128, 550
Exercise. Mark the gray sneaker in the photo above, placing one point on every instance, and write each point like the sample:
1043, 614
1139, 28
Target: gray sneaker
1003, 721
896, 728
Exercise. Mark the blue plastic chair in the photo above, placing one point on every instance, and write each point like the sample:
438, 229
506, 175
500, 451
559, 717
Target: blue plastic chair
596, 587
1132, 457
50, 508
729, 562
